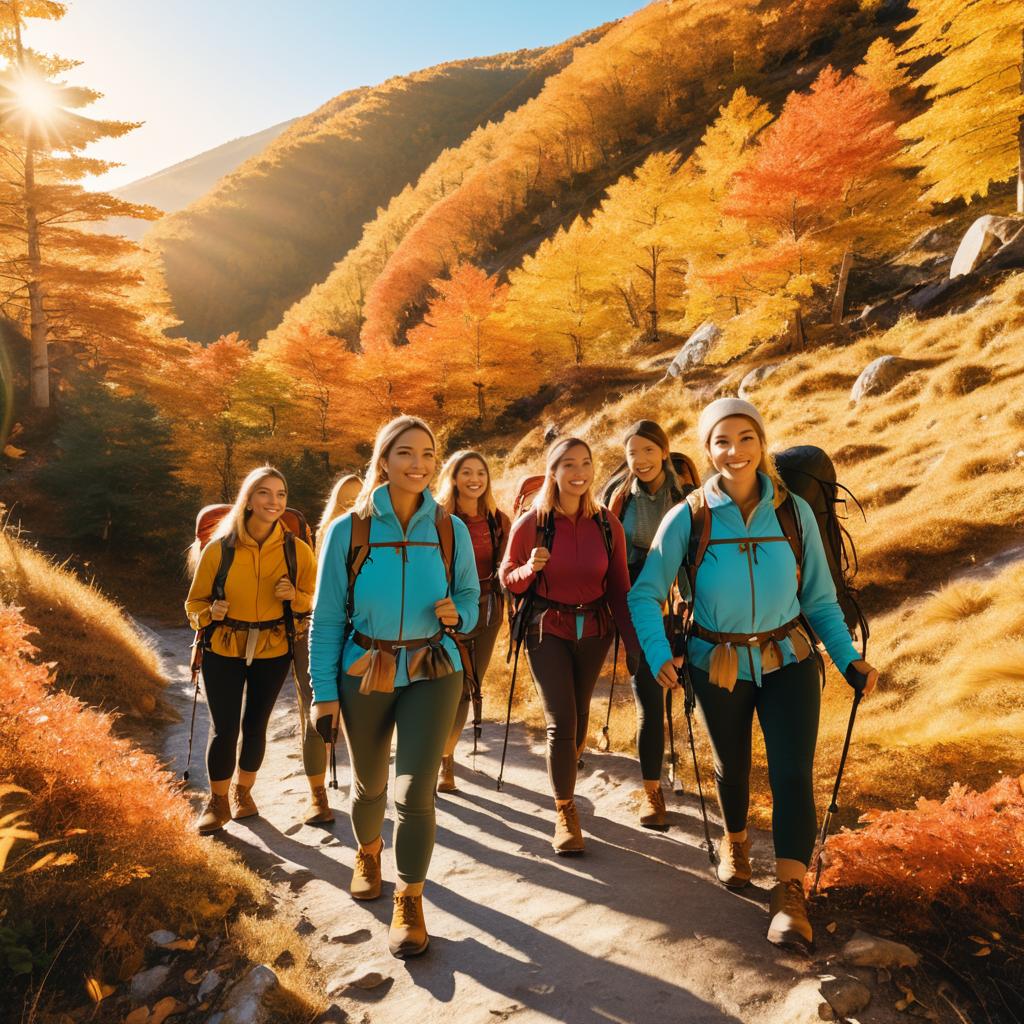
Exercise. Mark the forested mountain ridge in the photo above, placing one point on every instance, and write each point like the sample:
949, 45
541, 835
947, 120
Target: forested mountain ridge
239, 256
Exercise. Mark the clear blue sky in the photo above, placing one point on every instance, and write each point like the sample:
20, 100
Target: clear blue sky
201, 72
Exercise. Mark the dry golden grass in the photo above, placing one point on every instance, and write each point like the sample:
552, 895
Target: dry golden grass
938, 464
101, 657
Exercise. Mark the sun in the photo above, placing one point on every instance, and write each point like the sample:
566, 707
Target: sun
34, 97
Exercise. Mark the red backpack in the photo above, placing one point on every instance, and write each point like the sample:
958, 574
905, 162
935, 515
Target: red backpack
526, 491
210, 516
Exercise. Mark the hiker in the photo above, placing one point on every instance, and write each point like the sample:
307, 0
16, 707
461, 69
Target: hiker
747, 650
341, 499
246, 642
397, 581
465, 492
647, 489
572, 553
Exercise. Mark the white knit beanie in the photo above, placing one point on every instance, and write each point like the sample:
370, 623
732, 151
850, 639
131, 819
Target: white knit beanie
721, 409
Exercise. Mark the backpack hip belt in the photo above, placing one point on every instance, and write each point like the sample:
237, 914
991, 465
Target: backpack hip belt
745, 639
489, 586
368, 643
243, 624
544, 604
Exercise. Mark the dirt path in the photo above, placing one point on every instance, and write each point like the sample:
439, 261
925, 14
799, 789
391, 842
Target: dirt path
634, 931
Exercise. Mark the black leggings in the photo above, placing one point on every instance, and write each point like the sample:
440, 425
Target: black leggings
565, 672
225, 680
787, 705
650, 722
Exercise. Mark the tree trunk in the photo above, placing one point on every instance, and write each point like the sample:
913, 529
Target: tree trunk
799, 335
840, 300
479, 385
1020, 136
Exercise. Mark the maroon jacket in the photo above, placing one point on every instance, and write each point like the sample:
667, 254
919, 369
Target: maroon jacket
481, 537
578, 572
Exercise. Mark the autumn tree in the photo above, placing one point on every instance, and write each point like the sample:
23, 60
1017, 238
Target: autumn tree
65, 283
972, 133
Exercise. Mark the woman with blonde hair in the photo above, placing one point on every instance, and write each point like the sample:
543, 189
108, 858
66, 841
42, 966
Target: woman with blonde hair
465, 491
572, 551
342, 497
746, 645
238, 596
397, 580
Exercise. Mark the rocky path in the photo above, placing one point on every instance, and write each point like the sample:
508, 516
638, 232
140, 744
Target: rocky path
634, 931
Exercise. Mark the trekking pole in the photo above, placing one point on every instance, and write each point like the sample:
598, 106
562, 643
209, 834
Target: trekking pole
689, 700
858, 680
673, 762
196, 665
508, 713
604, 744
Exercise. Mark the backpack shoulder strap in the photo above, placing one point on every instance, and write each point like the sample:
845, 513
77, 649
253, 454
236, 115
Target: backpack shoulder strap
290, 558
700, 534
446, 541
789, 520
606, 530
227, 556
358, 548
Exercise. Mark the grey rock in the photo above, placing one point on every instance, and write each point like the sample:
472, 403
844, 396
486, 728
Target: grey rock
755, 379
213, 945
245, 1001
208, 985
146, 983
215, 1018
983, 237
696, 349
161, 937
880, 376
847, 996
864, 950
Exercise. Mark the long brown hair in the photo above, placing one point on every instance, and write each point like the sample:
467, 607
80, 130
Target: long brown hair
382, 445
650, 431
232, 526
548, 499
448, 489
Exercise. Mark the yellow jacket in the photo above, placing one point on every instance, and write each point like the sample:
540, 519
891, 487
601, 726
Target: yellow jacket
249, 591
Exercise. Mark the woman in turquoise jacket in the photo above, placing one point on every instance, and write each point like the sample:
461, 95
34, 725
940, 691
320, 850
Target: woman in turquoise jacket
748, 651
383, 655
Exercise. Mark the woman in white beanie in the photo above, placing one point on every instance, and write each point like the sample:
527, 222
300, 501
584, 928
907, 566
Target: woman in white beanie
751, 580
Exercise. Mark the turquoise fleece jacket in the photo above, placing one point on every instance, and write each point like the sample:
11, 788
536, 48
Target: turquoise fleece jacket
395, 591
752, 588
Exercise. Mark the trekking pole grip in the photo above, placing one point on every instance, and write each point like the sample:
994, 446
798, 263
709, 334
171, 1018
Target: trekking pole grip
857, 679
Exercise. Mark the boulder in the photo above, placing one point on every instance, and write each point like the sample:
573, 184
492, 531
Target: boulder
983, 237
753, 380
880, 376
846, 996
696, 349
147, 983
245, 1002
864, 950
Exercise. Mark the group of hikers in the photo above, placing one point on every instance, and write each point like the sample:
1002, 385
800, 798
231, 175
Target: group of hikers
722, 590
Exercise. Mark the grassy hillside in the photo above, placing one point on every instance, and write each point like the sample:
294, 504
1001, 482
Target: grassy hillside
269, 231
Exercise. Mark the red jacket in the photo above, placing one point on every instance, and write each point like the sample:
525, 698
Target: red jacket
578, 572
481, 537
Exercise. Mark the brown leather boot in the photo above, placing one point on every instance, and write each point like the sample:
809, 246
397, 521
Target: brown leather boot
568, 838
319, 812
242, 804
366, 874
789, 926
216, 814
734, 863
652, 809
446, 776
408, 933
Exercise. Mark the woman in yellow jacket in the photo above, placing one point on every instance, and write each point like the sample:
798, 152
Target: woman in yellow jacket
246, 644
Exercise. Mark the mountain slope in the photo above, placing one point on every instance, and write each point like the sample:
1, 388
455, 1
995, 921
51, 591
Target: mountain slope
242, 254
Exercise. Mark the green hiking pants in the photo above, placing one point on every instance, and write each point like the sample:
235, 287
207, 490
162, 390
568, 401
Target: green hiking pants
314, 750
423, 713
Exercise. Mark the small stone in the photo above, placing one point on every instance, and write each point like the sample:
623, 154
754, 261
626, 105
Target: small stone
146, 983
161, 937
879, 376
208, 985
213, 945
285, 959
753, 380
245, 1001
865, 950
847, 996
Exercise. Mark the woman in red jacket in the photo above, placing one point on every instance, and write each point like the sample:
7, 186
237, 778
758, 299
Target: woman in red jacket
574, 552
465, 491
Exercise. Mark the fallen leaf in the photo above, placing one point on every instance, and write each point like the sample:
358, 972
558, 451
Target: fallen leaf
97, 990
831, 927
13, 453
167, 1006
995, 935
186, 944
193, 977
984, 951
138, 1016
979, 940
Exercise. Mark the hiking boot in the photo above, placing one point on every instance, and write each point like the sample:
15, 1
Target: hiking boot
568, 838
408, 933
319, 812
446, 776
242, 804
652, 809
366, 874
216, 814
734, 863
789, 926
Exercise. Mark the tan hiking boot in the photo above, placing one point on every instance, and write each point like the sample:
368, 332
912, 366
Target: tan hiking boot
319, 812
568, 838
242, 804
789, 925
734, 863
446, 776
366, 874
652, 809
408, 933
216, 814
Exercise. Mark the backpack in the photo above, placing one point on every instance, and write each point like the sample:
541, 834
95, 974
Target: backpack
359, 547
292, 520
687, 478
526, 490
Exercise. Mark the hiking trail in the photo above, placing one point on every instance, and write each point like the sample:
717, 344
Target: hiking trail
636, 930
